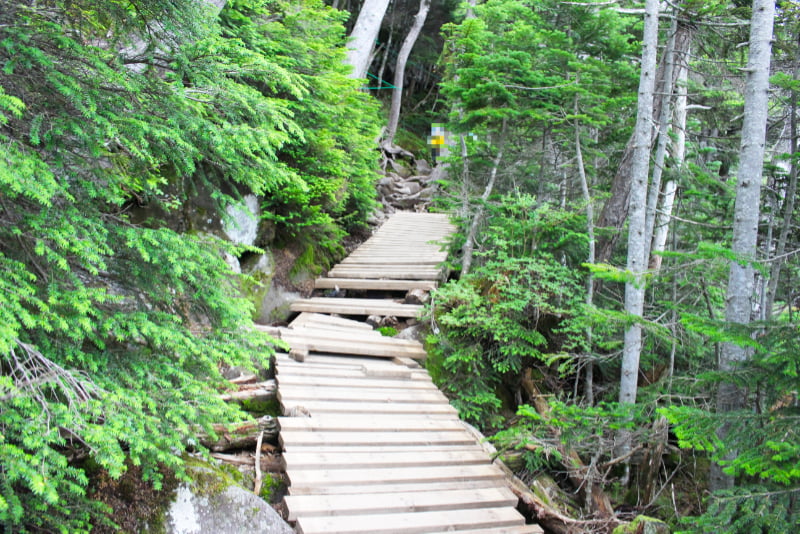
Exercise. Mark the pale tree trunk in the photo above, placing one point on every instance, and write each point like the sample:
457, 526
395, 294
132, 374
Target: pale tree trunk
637, 260
587, 198
663, 138
746, 214
400, 67
615, 209
789, 199
640, 166
362, 38
469, 244
661, 230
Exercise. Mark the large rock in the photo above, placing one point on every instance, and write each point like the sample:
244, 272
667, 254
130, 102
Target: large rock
231, 510
275, 304
241, 226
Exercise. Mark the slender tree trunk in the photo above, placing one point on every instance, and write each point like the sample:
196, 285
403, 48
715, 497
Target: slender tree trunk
789, 200
746, 213
469, 244
615, 210
400, 67
661, 230
640, 166
362, 38
587, 198
663, 138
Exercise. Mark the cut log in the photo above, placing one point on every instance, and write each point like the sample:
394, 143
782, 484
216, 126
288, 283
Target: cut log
261, 392
243, 436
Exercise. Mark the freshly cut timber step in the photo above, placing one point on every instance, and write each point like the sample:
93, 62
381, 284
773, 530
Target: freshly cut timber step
345, 306
333, 423
383, 503
317, 319
317, 407
376, 457
412, 523
352, 343
396, 272
374, 284
310, 478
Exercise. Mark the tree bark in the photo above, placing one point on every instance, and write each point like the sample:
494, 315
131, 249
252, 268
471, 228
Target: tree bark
640, 166
400, 68
262, 391
362, 38
615, 210
738, 308
661, 230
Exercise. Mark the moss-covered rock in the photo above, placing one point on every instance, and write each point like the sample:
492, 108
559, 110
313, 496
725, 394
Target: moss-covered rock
643, 525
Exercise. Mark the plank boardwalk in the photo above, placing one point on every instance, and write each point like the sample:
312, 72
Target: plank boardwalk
371, 446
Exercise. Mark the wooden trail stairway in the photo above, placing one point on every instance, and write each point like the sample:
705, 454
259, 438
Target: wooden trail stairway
371, 446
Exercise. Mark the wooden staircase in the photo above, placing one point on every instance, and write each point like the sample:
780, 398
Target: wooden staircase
371, 446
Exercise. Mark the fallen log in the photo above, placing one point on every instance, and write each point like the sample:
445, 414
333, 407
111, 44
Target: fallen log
242, 436
260, 391
268, 462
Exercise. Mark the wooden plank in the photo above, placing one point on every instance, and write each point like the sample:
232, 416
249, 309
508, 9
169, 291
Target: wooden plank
353, 336
332, 477
400, 274
355, 306
309, 317
385, 349
359, 489
421, 501
399, 373
360, 423
315, 407
294, 438
376, 284
416, 523
301, 459
361, 395
405, 385
341, 362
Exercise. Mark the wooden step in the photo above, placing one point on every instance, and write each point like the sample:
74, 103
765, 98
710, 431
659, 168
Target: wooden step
523, 529
359, 489
293, 438
307, 318
332, 342
374, 284
324, 381
390, 272
418, 476
335, 423
345, 306
360, 394
317, 407
460, 455
383, 503
413, 523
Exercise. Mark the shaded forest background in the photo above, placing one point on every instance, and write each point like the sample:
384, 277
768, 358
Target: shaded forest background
125, 127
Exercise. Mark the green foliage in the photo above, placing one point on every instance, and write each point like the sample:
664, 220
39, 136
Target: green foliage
112, 332
520, 307
748, 511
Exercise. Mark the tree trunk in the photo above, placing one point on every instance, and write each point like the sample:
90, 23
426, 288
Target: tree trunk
637, 261
663, 138
469, 244
789, 199
400, 67
640, 166
661, 230
587, 198
362, 38
746, 214
615, 210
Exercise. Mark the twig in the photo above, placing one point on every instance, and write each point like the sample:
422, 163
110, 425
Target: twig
257, 483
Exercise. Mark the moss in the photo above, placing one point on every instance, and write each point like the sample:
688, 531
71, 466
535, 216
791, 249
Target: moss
258, 408
388, 331
210, 479
305, 266
643, 525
